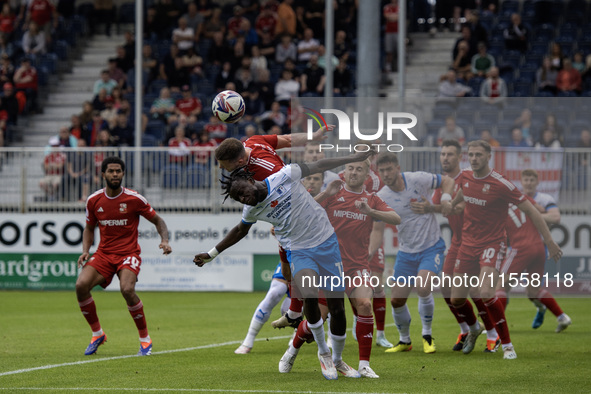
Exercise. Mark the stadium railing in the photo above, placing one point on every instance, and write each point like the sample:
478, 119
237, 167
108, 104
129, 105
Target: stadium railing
187, 180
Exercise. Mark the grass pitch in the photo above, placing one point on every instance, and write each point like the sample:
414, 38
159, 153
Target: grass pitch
43, 337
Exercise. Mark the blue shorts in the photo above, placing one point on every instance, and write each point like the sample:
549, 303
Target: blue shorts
277, 274
430, 259
324, 259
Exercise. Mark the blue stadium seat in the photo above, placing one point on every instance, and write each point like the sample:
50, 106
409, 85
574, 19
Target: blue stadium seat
527, 74
197, 176
157, 129
522, 89
62, 49
171, 176
149, 140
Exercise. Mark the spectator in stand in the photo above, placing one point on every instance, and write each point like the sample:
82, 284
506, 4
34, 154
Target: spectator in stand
224, 76
179, 145
524, 123
25, 80
3, 128
79, 171
267, 46
10, 103
99, 102
556, 56
451, 131
546, 76
450, 88
104, 82
286, 19
478, 32
272, 117
462, 64
6, 47
307, 47
390, 12
219, 50
342, 79
253, 103
569, 79
115, 74
63, 139
249, 131
168, 12
203, 156
214, 25
104, 11
494, 89
301, 24
194, 19
54, 165
104, 139
313, 79
234, 23
265, 88
76, 128
123, 61
171, 66
42, 12
314, 16
183, 36
552, 125
275, 130
517, 140
121, 131
7, 22
578, 62
86, 114
341, 46
152, 28
286, 88
486, 135
192, 66
467, 37
286, 49
6, 69
188, 105
323, 60
149, 63
216, 130
163, 106
516, 35
548, 140
345, 13
243, 77
483, 61
257, 62
34, 41
266, 22
96, 125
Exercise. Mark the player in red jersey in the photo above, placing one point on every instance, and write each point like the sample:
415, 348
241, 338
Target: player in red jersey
487, 195
352, 212
451, 152
528, 253
116, 210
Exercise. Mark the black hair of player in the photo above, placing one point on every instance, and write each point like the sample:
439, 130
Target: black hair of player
239, 174
112, 160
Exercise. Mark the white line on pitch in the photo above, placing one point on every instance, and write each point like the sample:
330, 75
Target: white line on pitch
184, 390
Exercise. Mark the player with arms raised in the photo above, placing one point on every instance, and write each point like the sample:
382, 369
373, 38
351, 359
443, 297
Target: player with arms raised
116, 210
487, 195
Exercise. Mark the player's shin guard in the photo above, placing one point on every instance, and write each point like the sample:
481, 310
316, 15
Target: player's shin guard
318, 332
303, 334
402, 320
137, 313
548, 300
338, 344
454, 311
379, 311
88, 309
364, 331
466, 312
497, 314
501, 294
484, 313
426, 309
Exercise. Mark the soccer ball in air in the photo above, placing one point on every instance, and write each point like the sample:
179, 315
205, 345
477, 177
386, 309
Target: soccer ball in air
228, 106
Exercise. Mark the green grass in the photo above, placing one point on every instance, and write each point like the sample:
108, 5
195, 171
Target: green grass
46, 328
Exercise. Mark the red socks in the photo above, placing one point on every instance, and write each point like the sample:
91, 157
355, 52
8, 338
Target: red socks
379, 311
137, 313
364, 333
88, 309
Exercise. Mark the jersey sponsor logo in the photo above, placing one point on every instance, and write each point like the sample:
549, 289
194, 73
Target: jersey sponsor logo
274, 203
341, 199
280, 208
100, 209
349, 215
486, 188
115, 222
123, 207
475, 201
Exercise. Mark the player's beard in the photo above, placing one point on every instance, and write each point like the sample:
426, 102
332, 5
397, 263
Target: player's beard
113, 186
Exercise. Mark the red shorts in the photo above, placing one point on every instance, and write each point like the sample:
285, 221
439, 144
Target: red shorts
321, 298
525, 260
109, 264
355, 279
376, 264
450, 260
470, 260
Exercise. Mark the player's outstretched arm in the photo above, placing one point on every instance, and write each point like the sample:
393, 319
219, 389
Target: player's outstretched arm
300, 139
87, 241
233, 237
332, 189
329, 164
162, 229
389, 217
552, 215
376, 238
536, 217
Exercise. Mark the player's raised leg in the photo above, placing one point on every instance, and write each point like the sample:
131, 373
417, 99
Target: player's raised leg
89, 277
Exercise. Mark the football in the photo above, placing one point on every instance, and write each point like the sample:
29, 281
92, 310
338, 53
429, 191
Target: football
228, 106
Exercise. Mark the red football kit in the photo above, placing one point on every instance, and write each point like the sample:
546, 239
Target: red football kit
117, 218
483, 233
353, 228
528, 252
263, 160
455, 224
189, 105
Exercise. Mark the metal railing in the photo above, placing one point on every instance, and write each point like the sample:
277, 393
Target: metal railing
187, 180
